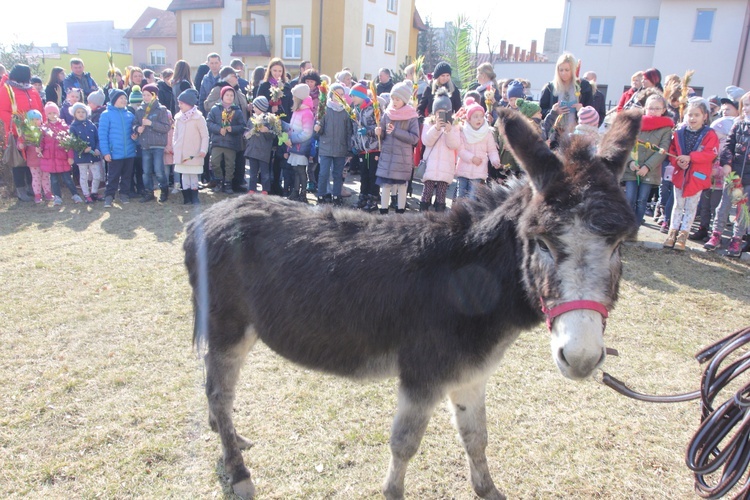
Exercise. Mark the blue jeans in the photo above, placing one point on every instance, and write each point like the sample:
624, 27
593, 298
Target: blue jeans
637, 195
467, 188
331, 166
153, 164
666, 198
64, 177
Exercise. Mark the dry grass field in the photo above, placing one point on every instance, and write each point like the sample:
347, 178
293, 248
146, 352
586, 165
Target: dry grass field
102, 394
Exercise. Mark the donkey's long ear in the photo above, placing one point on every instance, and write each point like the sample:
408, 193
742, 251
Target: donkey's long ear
528, 148
617, 144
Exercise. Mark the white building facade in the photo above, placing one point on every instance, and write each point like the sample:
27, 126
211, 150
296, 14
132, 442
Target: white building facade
617, 38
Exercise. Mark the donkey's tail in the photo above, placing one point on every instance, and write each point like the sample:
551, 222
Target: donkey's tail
196, 261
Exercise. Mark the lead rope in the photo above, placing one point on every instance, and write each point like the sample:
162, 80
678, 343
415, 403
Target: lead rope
704, 455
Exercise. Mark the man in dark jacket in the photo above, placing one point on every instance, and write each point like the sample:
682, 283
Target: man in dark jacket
599, 104
79, 79
385, 83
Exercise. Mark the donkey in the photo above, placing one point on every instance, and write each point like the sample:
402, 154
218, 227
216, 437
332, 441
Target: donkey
444, 295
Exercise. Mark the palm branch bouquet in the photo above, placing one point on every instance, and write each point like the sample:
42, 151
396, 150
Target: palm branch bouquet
323, 87
70, 142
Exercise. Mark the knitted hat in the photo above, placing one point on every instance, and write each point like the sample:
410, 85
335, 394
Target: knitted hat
151, 87
189, 96
300, 91
515, 89
441, 102
261, 103
310, 74
360, 91
472, 107
588, 116
136, 97
337, 86
441, 68
33, 114
114, 95
701, 102
402, 90
20, 73
224, 90
51, 107
527, 108
96, 98
79, 105
734, 93
35, 79
384, 100
714, 99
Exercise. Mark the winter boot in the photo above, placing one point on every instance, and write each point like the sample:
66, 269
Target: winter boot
671, 239
337, 201
424, 206
187, 197
362, 201
227, 188
147, 196
194, 197
440, 207
735, 247
163, 195
700, 235
682, 238
400, 210
714, 242
384, 211
23, 195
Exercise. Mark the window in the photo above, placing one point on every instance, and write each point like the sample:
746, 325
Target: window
370, 35
600, 30
390, 42
704, 23
150, 24
392, 6
644, 31
292, 43
157, 57
238, 27
202, 32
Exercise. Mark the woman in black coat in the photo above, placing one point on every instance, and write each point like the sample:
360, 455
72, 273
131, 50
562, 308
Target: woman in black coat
441, 77
54, 90
566, 94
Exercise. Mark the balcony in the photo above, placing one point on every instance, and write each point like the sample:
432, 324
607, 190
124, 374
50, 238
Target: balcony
251, 45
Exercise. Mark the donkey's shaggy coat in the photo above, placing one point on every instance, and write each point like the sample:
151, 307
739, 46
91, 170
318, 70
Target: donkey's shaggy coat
436, 299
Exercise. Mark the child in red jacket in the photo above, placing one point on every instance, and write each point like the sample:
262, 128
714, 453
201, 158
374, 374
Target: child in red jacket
694, 147
55, 159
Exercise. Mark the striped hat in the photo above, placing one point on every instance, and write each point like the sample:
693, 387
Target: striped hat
588, 116
360, 91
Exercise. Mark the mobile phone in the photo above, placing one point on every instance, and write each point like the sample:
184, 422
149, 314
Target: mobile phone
446, 116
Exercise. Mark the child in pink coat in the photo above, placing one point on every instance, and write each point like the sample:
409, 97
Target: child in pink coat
441, 140
32, 149
477, 147
56, 160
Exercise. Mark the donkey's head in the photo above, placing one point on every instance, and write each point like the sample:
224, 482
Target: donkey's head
571, 230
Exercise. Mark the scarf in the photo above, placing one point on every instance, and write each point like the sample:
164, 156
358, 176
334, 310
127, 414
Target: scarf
314, 93
405, 112
333, 103
273, 81
188, 115
649, 123
475, 136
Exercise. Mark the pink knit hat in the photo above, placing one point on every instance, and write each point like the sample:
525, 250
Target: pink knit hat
472, 107
51, 106
588, 116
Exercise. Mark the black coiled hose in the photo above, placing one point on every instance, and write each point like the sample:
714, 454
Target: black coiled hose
705, 453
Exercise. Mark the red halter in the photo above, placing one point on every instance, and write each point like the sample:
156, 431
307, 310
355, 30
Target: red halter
573, 305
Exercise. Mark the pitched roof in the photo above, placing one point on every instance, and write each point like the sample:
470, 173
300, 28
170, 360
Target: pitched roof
154, 23
195, 4
417, 21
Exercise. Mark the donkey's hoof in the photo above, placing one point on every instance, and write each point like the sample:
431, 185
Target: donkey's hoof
493, 494
391, 493
243, 442
244, 489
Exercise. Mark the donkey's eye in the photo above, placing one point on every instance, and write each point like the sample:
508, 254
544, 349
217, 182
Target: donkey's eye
542, 245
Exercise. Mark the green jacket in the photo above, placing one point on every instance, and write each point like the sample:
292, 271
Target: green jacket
656, 130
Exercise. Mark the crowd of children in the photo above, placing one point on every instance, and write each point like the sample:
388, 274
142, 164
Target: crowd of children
298, 137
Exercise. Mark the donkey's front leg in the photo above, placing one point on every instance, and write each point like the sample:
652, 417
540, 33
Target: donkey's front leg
470, 419
412, 416
222, 371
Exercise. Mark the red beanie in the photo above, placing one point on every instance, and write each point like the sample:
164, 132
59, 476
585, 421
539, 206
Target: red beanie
226, 89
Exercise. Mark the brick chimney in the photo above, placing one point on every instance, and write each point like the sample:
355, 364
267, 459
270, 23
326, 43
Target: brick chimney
533, 51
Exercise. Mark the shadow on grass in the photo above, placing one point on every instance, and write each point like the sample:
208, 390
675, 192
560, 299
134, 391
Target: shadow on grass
664, 270
223, 478
165, 221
